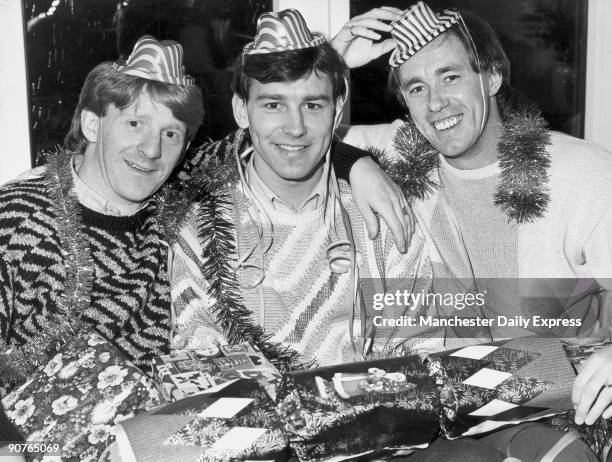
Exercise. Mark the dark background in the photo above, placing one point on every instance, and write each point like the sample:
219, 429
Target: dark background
63, 47
545, 41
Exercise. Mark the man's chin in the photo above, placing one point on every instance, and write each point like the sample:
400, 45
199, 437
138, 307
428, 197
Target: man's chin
451, 150
138, 198
451, 154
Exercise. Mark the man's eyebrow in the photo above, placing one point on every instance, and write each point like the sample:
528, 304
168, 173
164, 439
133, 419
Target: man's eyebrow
411, 81
135, 114
439, 71
321, 97
279, 97
177, 126
448, 68
263, 96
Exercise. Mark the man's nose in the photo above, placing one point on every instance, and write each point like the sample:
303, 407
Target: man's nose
437, 99
150, 146
294, 123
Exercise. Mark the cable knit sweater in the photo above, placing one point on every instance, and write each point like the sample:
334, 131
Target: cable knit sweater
130, 295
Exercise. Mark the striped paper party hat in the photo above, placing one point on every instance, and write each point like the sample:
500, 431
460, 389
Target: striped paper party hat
418, 26
282, 31
155, 60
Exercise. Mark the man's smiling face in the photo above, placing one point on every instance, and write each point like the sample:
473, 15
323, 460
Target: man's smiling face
132, 151
445, 96
291, 125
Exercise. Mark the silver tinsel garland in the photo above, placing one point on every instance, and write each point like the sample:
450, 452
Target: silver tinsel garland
18, 362
522, 192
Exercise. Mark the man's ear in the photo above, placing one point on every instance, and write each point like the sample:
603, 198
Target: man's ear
495, 81
90, 125
240, 111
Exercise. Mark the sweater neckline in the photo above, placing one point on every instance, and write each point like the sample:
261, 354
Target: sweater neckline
481, 173
114, 222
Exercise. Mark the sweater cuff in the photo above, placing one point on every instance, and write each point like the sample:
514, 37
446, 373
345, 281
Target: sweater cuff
344, 157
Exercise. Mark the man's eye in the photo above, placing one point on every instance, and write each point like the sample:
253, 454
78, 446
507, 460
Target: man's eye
273, 106
173, 137
313, 106
451, 78
416, 89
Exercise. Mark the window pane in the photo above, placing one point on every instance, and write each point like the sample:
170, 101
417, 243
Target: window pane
67, 38
545, 41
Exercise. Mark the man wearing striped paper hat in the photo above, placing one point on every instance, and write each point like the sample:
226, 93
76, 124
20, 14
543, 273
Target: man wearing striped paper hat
509, 208
84, 251
277, 249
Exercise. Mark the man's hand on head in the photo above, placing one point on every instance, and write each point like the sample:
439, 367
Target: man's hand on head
592, 391
358, 42
374, 192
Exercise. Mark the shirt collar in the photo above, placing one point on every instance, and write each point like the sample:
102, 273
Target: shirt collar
94, 200
313, 201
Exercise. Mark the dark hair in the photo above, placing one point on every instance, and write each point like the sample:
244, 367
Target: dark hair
105, 86
492, 58
288, 66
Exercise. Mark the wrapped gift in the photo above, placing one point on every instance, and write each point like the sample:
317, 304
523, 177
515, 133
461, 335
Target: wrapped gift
405, 402
234, 423
73, 402
373, 407
187, 372
354, 408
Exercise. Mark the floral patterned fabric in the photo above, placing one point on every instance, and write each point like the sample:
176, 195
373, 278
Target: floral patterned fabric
78, 396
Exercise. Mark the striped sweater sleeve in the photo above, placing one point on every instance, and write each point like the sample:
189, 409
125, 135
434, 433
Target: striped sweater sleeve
28, 244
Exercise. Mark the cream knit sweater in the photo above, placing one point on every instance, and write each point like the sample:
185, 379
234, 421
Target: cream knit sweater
562, 260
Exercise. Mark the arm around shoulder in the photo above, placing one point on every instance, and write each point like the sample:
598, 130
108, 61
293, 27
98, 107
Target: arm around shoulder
378, 136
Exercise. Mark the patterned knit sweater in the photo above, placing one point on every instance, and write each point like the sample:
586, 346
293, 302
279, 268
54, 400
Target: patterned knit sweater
129, 290
300, 302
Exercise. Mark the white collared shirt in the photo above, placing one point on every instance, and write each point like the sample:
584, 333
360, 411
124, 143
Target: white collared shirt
94, 200
313, 201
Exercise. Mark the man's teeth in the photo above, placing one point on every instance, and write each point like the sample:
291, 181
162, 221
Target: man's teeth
447, 123
138, 167
287, 147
